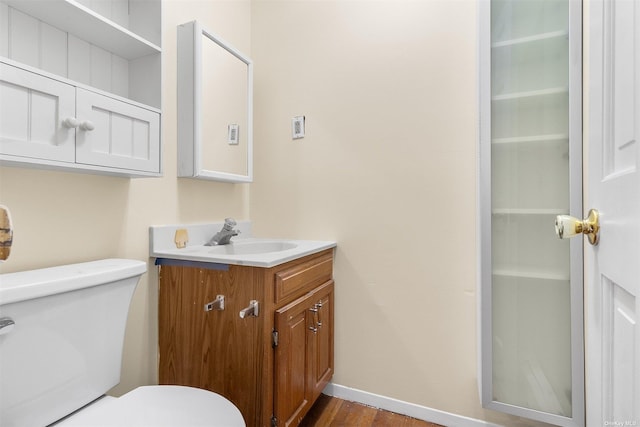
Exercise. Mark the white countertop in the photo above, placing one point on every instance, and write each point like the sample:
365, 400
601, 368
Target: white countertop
243, 249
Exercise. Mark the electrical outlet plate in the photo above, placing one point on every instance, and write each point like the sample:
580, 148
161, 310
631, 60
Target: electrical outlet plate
297, 127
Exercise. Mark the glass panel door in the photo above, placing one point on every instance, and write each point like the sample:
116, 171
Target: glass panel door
530, 149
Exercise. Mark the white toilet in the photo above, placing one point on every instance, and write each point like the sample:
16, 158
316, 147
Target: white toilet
61, 337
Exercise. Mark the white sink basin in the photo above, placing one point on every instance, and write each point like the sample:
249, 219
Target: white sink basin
251, 247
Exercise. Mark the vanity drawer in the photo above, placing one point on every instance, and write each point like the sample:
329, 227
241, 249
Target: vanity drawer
303, 277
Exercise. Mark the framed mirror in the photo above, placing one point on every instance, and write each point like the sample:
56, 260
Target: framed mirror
215, 107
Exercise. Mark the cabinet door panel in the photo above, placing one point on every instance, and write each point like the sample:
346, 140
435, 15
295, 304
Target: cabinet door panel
233, 360
321, 366
125, 136
183, 339
32, 109
292, 397
215, 350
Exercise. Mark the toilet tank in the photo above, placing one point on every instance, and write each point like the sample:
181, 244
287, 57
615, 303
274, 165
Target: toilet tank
64, 348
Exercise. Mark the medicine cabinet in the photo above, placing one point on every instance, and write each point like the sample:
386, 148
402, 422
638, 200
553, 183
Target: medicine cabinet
531, 314
215, 107
80, 84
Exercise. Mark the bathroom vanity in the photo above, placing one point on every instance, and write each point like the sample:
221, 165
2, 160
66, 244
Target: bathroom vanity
261, 336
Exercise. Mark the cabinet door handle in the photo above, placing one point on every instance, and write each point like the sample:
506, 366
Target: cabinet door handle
314, 319
319, 306
252, 310
217, 304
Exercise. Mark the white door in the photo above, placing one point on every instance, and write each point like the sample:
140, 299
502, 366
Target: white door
612, 273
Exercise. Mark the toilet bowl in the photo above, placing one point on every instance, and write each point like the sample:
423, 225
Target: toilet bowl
158, 406
61, 339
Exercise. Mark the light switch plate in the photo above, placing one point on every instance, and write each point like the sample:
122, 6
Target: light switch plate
232, 134
297, 127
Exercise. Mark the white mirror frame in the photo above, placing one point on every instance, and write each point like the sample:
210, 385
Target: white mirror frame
189, 96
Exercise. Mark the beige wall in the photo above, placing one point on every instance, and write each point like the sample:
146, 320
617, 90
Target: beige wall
388, 169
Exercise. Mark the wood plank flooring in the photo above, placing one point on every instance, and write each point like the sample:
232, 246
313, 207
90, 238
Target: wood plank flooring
333, 412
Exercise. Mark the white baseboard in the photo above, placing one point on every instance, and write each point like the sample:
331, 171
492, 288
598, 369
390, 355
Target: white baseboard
405, 408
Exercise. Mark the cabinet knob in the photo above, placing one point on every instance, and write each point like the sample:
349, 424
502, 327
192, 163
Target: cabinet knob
87, 125
71, 123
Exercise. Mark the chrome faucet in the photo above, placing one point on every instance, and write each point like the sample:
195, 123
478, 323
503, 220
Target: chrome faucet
223, 237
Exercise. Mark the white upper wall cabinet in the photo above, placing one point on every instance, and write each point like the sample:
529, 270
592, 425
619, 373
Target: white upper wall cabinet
107, 56
530, 171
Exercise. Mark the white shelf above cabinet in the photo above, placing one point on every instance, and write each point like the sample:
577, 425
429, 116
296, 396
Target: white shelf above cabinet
76, 19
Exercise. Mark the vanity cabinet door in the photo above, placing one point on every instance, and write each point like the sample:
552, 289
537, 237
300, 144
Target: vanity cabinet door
32, 112
215, 350
292, 394
183, 340
321, 367
117, 134
304, 354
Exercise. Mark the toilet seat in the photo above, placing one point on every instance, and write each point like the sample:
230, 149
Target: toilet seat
159, 406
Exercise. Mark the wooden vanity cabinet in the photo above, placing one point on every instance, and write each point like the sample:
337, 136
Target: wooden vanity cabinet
273, 366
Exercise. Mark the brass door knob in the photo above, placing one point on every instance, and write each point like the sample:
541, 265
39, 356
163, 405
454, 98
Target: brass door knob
568, 226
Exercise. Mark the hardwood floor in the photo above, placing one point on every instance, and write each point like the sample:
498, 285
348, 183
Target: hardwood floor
331, 411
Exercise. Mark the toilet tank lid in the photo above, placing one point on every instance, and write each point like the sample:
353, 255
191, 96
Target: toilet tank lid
25, 285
